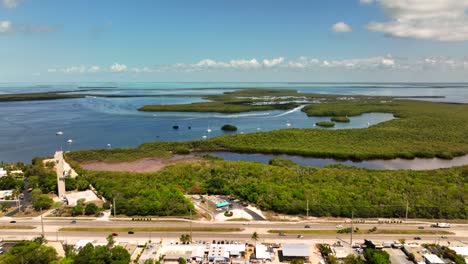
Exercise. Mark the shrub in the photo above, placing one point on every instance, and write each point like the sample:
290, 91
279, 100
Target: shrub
325, 124
229, 128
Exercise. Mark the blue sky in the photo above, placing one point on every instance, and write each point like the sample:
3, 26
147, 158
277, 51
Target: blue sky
256, 40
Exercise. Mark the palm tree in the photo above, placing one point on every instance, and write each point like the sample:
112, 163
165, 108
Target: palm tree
255, 237
184, 238
16, 194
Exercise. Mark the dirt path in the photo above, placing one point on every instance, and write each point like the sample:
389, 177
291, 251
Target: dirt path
142, 165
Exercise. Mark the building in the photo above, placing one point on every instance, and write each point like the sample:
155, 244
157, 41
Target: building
223, 253
73, 198
3, 172
462, 251
190, 252
262, 253
432, 259
5, 194
416, 250
16, 173
292, 251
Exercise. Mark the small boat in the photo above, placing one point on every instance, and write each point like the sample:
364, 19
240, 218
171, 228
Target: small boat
368, 123
242, 132
69, 141
59, 133
288, 124
209, 130
175, 127
189, 127
109, 145
204, 137
258, 129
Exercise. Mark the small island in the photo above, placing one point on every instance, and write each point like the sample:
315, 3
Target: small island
229, 128
341, 119
325, 124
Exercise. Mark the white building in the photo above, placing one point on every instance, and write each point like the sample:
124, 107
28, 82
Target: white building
262, 253
5, 193
88, 196
223, 252
432, 259
462, 251
3, 172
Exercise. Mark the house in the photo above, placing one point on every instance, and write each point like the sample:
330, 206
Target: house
3, 172
88, 196
5, 194
189, 252
432, 259
16, 172
222, 253
292, 251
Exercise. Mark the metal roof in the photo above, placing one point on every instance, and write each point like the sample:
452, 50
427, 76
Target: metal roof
296, 250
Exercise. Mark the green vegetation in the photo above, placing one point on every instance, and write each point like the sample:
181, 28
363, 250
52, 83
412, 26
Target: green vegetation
150, 229
229, 128
374, 256
16, 227
341, 119
99, 254
422, 129
29, 252
332, 191
281, 162
41, 201
325, 124
244, 100
10, 183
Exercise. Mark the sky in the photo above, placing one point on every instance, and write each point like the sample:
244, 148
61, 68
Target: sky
242, 40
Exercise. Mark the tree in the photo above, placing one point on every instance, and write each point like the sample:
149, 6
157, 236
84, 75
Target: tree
110, 240
40, 240
181, 260
185, 238
149, 261
297, 261
91, 209
254, 237
29, 252
42, 201
352, 259
77, 210
119, 255
374, 256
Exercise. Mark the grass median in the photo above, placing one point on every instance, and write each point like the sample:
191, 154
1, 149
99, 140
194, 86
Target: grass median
16, 227
150, 229
361, 232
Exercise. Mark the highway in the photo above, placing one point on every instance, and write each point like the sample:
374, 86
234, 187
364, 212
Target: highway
52, 230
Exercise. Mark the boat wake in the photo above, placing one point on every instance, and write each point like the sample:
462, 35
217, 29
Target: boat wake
241, 115
290, 111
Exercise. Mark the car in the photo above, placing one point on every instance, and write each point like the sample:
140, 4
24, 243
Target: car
300, 236
421, 227
417, 238
282, 234
307, 226
359, 250
339, 226
356, 246
115, 234
12, 222
246, 223
73, 222
131, 232
443, 237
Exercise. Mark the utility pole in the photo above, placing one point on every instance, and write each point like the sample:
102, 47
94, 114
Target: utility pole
352, 226
113, 206
42, 225
407, 206
190, 210
307, 209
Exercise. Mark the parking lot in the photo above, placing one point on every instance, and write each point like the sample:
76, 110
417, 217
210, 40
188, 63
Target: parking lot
397, 256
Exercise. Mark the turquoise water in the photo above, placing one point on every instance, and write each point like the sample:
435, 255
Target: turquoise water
29, 128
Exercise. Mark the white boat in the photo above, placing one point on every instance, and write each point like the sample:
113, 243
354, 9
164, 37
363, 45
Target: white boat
59, 133
69, 141
209, 130
368, 123
204, 137
109, 145
288, 124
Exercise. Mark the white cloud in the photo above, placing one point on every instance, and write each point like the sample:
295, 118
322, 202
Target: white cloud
366, 2
10, 3
94, 69
440, 20
116, 67
341, 27
273, 62
6, 27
